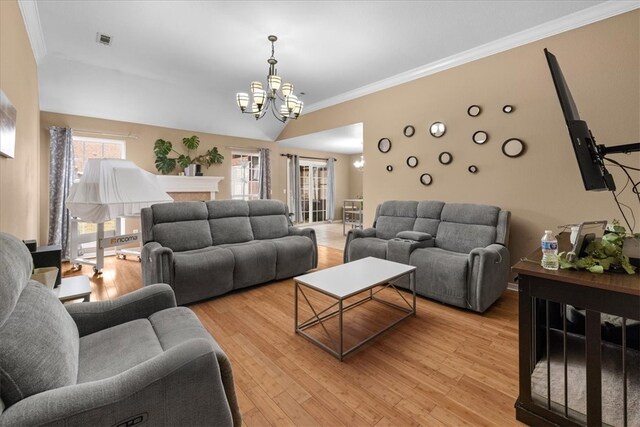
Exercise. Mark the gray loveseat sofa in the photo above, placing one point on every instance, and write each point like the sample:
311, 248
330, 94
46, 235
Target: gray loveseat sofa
459, 249
205, 249
135, 359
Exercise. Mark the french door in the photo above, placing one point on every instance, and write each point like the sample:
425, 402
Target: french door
313, 190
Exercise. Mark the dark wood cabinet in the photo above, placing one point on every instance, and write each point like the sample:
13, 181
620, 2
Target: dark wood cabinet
48, 256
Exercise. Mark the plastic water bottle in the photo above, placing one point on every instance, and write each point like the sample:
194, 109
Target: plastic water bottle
549, 251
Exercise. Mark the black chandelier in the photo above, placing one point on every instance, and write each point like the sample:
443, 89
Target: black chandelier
264, 100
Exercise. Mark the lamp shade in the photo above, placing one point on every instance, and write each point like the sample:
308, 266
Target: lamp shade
287, 89
243, 100
298, 109
274, 82
255, 86
292, 102
258, 97
112, 188
284, 110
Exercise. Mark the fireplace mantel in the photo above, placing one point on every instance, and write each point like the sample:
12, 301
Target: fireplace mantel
190, 184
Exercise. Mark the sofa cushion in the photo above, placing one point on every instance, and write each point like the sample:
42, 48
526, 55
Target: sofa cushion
16, 265
441, 274
367, 246
229, 221
202, 273
255, 262
469, 213
266, 207
135, 342
464, 237
294, 255
181, 226
395, 216
428, 216
43, 342
269, 226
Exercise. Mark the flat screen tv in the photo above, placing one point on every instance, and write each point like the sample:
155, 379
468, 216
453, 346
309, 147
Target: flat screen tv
590, 156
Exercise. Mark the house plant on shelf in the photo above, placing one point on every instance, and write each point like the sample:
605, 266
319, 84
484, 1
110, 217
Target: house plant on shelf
603, 255
165, 164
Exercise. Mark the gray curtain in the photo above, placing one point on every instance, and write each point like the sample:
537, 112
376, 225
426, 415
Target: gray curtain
331, 189
61, 175
294, 180
264, 180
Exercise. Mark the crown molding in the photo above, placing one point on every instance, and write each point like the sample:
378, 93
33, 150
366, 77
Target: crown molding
31, 18
575, 20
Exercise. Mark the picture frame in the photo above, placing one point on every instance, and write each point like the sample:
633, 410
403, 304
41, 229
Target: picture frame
8, 117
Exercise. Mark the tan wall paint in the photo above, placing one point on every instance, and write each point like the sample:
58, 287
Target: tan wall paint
140, 151
542, 189
355, 182
19, 190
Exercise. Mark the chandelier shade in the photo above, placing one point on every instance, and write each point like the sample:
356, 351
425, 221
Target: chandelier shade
289, 107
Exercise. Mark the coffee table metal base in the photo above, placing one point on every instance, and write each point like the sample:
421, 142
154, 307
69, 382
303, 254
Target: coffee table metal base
338, 309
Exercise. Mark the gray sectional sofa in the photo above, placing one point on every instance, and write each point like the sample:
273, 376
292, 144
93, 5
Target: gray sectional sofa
459, 249
205, 249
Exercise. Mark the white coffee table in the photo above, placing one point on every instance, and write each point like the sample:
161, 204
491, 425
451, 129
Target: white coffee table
345, 281
74, 287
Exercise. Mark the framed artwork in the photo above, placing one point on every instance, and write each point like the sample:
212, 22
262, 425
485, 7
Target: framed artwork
8, 116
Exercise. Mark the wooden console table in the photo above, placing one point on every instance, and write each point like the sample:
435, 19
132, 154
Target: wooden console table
615, 294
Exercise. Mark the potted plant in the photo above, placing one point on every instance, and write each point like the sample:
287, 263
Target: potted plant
165, 164
604, 255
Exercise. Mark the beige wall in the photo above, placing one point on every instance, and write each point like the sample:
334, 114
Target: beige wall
140, 151
355, 178
543, 188
19, 190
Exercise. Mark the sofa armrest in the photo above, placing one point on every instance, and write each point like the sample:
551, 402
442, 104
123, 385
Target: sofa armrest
414, 235
488, 276
181, 386
311, 234
92, 317
157, 264
399, 250
356, 233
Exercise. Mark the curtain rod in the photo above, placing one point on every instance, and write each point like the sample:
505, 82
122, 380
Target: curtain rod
242, 148
100, 133
311, 158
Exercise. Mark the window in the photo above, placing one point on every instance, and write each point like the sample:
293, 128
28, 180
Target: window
245, 175
85, 148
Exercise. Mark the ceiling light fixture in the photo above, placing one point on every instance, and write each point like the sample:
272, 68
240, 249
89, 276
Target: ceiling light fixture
359, 164
264, 100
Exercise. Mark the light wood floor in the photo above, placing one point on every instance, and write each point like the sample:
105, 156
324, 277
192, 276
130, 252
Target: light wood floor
445, 366
329, 234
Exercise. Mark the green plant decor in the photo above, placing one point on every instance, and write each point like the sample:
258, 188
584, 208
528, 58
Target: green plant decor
603, 255
165, 164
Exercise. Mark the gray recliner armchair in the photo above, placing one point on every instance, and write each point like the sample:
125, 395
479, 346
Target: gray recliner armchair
137, 359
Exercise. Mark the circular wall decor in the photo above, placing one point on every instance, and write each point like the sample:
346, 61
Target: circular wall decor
437, 129
474, 110
384, 145
480, 137
513, 147
412, 161
389, 168
445, 158
508, 109
426, 179
473, 169
409, 131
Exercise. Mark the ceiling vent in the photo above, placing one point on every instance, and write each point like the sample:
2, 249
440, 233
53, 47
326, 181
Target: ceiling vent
103, 39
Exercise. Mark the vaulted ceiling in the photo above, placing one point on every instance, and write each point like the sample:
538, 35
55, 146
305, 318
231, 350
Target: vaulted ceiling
179, 64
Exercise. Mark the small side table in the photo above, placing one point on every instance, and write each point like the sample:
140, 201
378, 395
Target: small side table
75, 287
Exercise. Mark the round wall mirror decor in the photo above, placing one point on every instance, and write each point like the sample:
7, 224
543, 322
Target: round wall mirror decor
409, 131
480, 137
412, 161
384, 145
474, 111
508, 109
389, 168
426, 179
445, 158
473, 169
437, 129
513, 147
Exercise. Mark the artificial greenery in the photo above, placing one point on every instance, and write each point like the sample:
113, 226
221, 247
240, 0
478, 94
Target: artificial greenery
603, 255
165, 164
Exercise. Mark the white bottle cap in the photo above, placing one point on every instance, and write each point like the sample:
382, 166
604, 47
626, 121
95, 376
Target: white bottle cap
548, 232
